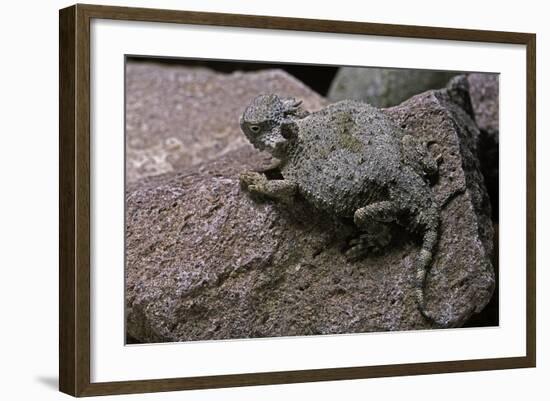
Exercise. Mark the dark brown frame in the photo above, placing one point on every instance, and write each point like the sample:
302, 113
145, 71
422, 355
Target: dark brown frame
74, 199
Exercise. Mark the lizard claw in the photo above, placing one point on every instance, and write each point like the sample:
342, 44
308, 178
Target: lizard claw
368, 242
251, 178
356, 252
255, 188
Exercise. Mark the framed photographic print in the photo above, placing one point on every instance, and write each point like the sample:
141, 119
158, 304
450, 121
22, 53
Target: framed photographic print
251, 200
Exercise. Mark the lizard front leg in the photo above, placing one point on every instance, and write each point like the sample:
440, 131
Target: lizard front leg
417, 155
375, 232
280, 190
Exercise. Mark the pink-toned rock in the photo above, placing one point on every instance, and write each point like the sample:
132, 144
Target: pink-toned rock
180, 116
205, 261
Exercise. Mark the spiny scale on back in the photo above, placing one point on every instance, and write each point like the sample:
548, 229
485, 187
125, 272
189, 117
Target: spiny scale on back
349, 160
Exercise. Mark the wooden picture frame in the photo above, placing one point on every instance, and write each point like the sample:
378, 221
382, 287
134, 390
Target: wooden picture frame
74, 200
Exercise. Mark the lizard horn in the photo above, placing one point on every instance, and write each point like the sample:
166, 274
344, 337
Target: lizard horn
291, 104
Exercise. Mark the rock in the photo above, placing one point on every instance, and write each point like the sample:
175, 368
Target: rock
179, 116
484, 94
384, 87
462, 264
484, 90
205, 261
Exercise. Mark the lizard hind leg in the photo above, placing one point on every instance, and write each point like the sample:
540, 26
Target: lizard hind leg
375, 233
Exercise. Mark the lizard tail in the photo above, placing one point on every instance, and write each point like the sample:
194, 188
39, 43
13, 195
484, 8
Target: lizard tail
423, 263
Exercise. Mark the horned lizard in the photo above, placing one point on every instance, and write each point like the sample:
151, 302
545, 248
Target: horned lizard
350, 161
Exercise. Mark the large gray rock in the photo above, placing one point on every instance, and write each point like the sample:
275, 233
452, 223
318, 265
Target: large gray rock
384, 87
179, 116
205, 261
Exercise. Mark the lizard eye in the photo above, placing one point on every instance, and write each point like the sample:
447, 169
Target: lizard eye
254, 128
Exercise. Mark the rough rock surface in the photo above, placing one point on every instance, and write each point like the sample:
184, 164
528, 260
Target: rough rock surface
484, 94
206, 261
384, 87
180, 116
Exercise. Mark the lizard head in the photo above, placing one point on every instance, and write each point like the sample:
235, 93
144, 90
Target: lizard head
264, 119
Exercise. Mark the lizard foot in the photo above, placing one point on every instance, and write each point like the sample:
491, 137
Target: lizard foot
251, 180
373, 241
